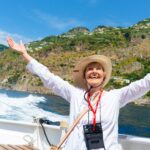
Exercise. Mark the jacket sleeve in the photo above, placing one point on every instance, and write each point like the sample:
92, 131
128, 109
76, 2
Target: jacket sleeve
134, 90
58, 85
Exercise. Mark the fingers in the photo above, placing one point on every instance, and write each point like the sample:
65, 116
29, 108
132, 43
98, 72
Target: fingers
10, 42
21, 43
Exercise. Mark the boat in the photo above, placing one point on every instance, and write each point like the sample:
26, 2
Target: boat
20, 133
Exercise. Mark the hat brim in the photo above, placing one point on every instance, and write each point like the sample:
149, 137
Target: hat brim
78, 72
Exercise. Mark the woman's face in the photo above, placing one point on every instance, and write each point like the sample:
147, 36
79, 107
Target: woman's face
94, 74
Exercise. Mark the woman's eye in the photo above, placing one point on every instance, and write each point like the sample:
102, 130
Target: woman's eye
90, 68
99, 68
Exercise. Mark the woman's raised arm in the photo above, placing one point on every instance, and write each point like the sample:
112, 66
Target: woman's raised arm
50, 80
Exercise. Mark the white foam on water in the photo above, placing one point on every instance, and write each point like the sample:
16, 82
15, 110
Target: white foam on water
25, 108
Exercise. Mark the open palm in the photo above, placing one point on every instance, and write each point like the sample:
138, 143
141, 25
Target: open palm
17, 47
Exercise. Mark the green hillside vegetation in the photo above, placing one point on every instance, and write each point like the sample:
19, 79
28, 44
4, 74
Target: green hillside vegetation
129, 49
2, 47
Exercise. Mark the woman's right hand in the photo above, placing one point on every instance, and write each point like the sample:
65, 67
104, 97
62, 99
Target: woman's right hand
17, 47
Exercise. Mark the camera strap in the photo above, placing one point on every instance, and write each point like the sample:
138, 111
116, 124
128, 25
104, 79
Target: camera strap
92, 108
93, 133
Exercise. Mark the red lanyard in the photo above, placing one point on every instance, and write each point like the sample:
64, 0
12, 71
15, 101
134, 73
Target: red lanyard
91, 107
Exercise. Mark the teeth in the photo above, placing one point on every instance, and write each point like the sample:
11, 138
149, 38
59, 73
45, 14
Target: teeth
94, 77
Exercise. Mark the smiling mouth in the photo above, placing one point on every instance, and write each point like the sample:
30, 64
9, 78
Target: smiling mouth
97, 76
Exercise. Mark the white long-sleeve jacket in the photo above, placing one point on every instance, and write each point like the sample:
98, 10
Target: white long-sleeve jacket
111, 102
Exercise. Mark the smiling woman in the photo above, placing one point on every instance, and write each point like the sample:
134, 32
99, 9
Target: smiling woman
97, 129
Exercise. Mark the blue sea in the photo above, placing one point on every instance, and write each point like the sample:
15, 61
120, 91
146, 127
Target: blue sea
24, 106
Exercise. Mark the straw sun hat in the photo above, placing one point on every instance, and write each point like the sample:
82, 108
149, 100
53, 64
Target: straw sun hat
78, 72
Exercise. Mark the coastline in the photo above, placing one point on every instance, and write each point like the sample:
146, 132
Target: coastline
34, 90
142, 101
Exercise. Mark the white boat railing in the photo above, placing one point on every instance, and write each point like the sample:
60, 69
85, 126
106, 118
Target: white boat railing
130, 142
23, 133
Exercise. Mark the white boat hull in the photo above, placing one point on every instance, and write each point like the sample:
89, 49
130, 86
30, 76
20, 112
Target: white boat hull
22, 133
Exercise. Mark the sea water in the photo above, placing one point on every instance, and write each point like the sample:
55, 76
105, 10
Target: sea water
24, 106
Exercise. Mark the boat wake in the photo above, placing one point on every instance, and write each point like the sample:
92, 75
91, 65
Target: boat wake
25, 106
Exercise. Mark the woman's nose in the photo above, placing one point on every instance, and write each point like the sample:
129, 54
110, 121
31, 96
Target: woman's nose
94, 69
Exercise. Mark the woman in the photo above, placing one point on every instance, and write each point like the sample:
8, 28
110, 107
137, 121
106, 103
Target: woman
91, 75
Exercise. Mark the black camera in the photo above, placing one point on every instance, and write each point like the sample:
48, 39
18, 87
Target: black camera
93, 136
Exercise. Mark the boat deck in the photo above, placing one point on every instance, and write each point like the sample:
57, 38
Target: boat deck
16, 147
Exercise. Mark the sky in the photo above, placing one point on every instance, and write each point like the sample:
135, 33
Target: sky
30, 20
